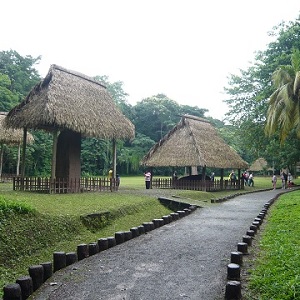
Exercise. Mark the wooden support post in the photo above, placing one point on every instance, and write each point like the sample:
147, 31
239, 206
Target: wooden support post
239, 179
114, 162
1, 158
203, 178
19, 159
53, 164
23, 157
222, 179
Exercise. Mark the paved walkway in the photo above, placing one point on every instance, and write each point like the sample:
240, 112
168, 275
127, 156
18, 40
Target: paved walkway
186, 259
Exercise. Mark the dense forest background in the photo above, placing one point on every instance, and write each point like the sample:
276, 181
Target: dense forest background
247, 95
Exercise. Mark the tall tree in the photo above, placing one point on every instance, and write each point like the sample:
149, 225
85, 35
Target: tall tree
156, 115
119, 95
8, 99
249, 92
284, 104
20, 71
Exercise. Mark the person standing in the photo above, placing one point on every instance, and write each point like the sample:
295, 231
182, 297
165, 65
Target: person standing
110, 173
251, 180
282, 181
290, 180
118, 180
274, 181
285, 176
147, 175
110, 178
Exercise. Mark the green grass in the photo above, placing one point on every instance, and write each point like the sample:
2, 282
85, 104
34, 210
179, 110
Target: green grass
276, 271
33, 226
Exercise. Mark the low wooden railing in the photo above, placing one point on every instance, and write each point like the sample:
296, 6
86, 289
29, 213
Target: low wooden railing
197, 185
64, 185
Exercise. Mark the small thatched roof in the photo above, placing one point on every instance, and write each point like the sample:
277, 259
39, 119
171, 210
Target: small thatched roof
70, 100
12, 136
193, 142
260, 165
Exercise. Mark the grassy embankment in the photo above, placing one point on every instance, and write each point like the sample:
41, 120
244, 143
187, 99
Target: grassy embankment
33, 226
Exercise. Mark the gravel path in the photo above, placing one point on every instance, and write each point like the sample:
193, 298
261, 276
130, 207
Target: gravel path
186, 259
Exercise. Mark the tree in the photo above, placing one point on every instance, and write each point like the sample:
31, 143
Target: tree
284, 104
156, 115
250, 91
118, 94
20, 71
7, 98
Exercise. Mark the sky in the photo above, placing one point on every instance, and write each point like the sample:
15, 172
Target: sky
185, 49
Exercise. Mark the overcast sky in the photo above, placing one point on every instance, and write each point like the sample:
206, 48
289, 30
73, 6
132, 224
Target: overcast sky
185, 49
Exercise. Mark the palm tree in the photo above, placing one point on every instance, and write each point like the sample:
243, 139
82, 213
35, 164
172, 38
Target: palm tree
284, 104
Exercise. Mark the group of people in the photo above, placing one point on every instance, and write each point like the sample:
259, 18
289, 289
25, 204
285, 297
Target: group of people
286, 180
248, 178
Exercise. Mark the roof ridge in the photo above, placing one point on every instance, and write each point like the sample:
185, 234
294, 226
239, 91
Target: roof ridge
75, 73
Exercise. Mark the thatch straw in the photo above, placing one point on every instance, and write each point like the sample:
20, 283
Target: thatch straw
193, 142
70, 100
12, 136
259, 165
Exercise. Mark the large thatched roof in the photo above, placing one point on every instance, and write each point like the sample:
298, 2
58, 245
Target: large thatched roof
260, 165
70, 100
12, 136
193, 142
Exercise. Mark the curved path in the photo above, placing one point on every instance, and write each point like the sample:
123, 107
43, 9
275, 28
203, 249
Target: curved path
186, 259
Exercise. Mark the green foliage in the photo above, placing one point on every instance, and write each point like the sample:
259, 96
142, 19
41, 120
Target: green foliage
156, 115
283, 109
118, 94
96, 156
7, 207
39, 154
276, 271
249, 93
21, 73
7, 98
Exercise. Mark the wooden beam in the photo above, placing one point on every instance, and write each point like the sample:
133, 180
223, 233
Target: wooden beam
1, 159
19, 159
54, 154
114, 157
24, 151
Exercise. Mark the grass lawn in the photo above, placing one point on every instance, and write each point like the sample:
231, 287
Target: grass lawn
33, 226
275, 271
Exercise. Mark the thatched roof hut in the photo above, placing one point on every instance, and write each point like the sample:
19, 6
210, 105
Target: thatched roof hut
11, 136
193, 142
260, 165
70, 105
70, 100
